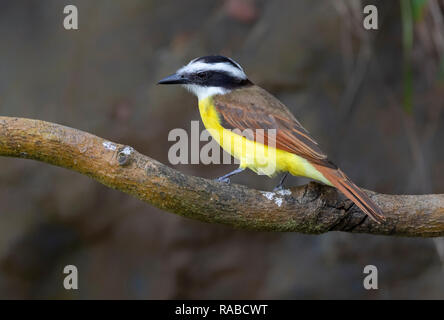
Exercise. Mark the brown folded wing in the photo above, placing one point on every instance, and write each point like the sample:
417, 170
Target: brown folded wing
253, 108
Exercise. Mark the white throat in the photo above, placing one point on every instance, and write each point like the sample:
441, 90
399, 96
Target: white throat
193, 67
204, 92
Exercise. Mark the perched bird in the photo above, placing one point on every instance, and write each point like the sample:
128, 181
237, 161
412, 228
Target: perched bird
229, 103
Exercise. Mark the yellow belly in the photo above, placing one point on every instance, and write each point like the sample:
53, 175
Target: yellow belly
256, 156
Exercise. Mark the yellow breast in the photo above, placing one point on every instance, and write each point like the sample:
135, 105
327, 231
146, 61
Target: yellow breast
256, 156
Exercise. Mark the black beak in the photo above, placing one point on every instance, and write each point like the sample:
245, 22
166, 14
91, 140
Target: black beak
173, 79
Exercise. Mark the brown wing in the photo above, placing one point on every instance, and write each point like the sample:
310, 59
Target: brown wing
253, 108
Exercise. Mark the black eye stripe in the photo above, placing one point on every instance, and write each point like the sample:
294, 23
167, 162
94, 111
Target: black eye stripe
216, 74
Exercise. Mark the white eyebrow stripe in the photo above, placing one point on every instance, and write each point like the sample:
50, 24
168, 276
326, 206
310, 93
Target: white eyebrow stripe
194, 67
202, 92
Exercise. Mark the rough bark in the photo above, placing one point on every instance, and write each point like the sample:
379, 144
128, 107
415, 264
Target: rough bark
312, 208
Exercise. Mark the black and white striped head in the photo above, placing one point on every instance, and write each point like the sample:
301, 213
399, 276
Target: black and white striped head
209, 75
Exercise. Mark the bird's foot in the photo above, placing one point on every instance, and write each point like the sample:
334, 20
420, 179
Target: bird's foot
223, 179
226, 179
280, 186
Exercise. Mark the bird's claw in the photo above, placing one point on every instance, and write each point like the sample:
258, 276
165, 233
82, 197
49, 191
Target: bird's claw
223, 179
278, 188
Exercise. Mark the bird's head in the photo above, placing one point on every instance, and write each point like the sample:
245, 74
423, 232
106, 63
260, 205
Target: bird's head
209, 75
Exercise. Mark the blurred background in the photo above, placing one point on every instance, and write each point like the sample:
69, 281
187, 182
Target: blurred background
373, 99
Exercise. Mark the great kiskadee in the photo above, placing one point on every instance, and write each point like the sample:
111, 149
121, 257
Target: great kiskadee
230, 103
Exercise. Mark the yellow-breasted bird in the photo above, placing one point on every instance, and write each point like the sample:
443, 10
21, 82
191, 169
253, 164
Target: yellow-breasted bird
229, 103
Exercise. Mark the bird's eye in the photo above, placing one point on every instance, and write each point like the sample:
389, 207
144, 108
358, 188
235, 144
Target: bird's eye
201, 75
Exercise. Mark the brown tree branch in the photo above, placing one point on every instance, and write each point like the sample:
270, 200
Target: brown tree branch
312, 208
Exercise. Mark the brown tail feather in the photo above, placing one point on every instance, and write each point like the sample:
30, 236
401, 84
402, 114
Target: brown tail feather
353, 192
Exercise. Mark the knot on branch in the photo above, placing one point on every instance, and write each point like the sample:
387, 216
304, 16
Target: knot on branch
124, 155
